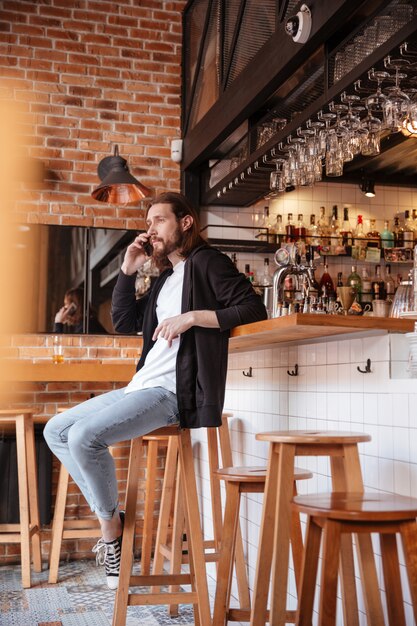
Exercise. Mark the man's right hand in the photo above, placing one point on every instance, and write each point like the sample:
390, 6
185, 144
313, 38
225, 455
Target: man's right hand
135, 255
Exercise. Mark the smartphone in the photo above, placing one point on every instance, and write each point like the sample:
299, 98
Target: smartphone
71, 309
147, 246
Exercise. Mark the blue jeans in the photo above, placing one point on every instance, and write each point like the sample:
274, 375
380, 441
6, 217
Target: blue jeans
80, 438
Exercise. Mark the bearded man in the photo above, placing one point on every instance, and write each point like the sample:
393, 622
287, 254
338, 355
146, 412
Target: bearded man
181, 375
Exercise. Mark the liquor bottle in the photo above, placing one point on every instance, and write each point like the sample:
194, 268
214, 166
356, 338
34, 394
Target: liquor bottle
398, 233
374, 238
289, 229
323, 227
234, 259
263, 234
355, 281
415, 223
387, 236
339, 279
313, 235
279, 229
248, 273
378, 285
266, 276
366, 286
300, 229
345, 230
390, 286
334, 228
408, 231
360, 239
326, 286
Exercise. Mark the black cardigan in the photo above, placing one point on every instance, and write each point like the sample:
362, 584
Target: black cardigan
211, 282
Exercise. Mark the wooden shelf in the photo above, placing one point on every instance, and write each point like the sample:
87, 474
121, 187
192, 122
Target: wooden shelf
302, 326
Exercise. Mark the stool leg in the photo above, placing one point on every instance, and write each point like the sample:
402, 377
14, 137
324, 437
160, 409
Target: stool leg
23, 500
216, 502
408, 532
296, 543
347, 564
177, 538
392, 579
122, 593
282, 534
33, 494
165, 505
240, 563
150, 488
266, 538
366, 557
195, 538
307, 587
225, 566
58, 524
328, 588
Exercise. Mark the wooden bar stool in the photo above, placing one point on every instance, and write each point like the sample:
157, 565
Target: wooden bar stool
336, 514
218, 441
27, 531
198, 596
245, 480
273, 552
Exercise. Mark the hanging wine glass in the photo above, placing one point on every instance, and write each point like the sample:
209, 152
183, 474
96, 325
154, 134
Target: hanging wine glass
396, 105
377, 101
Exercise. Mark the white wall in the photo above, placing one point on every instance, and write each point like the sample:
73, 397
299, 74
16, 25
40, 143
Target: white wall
329, 393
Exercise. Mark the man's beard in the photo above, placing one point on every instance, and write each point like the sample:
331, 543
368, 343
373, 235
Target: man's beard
164, 249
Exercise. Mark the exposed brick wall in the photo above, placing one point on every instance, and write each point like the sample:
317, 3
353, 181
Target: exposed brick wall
87, 75
93, 74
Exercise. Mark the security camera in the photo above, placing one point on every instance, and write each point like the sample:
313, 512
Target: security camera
299, 26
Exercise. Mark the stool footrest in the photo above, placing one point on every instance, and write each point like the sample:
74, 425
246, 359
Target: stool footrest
81, 523
85, 533
156, 580
136, 599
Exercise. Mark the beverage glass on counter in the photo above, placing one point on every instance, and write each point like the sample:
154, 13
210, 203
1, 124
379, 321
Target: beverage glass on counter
380, 308
57, 350
346, 297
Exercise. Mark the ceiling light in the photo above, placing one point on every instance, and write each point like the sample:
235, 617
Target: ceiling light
118, 186
367, 187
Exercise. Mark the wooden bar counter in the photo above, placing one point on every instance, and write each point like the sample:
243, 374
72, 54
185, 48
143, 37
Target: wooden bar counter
304, 326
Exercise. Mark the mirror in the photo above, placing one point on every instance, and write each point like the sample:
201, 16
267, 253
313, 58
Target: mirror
83, 260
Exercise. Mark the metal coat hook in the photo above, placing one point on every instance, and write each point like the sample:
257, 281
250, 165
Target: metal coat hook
248, 373
367, 369
294, 372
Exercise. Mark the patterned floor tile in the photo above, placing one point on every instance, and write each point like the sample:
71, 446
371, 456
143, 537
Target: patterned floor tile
80, 598
90, 618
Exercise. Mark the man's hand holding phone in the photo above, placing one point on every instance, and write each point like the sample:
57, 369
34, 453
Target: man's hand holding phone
137, 254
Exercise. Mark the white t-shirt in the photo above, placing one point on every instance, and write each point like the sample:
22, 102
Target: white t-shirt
159, 369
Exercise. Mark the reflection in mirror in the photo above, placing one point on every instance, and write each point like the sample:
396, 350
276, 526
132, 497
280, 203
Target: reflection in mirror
72, 272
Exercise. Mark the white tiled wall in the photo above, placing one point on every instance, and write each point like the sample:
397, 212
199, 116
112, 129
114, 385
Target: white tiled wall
329, 393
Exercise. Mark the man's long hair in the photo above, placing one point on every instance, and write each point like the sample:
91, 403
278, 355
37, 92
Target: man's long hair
181, 207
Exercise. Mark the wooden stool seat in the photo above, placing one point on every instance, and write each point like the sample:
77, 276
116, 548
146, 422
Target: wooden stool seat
336, 514
27, 531
271, 576
255, 474
198, 596
246, 480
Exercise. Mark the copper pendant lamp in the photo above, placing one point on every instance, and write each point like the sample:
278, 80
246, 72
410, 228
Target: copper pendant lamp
118, 186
